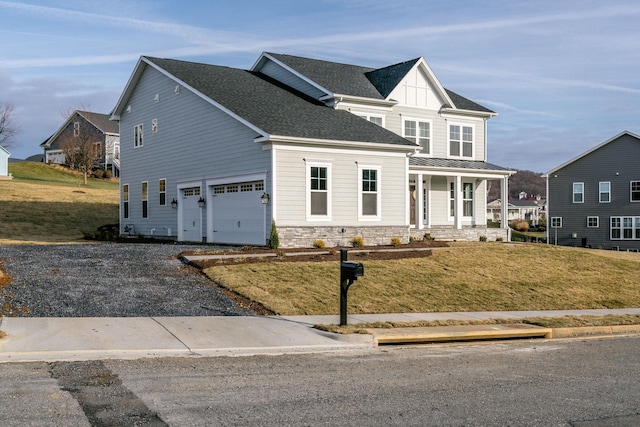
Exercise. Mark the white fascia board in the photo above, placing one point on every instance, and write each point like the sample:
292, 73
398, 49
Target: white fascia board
474, 173
360, 101
128, 88
444, 112
431, 75
373, 146
5, 150
265, 56
546, 175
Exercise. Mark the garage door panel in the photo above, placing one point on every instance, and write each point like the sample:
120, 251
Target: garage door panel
238, 218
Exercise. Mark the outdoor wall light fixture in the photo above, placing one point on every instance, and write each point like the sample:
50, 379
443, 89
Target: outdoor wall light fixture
174, 203
201, 202
265, 198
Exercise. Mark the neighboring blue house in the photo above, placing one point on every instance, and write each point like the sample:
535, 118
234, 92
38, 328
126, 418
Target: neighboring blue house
329, 151
594, 199
4, 163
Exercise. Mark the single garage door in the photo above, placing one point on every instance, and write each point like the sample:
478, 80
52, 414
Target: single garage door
238, 215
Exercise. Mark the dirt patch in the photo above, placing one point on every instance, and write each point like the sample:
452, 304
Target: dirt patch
248, 254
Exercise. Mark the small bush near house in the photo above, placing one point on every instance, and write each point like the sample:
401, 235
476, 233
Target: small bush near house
395, 241
427, 236
108, 174
357, 242
520, 225
499, 239
483, 238
319, 244
98, 173
274, 240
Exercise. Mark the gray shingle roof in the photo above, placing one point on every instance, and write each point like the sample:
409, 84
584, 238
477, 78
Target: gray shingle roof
360, 81
101, 121
273, 107
454, 163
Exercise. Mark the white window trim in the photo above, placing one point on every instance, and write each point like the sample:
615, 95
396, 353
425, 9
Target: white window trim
160, 191
600, 193
573, 192
634, 227
553, 218
473, 141
631, 192
138, 142
144, 198
127, 201
417, 120
597, 218
308, 166
378, 170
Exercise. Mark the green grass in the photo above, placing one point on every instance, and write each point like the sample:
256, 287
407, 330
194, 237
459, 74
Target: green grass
467, 277
45, 204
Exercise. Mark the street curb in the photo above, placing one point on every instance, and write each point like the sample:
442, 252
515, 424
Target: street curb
594, 330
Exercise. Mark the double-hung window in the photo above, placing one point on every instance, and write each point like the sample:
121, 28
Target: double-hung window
604, 189
145, 199
379, 120
460, 141
162, 191
369, 203
419, 132
578, 192
125, 201
318, 191
635, 191
137, 135
625, 227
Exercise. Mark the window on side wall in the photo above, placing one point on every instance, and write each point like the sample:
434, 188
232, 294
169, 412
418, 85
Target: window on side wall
604, 189
369, 186
319, 191
145, 200
460, 141
125, 201
593, 222
635, 191
162, 192
418, 132
578, 192
556, 222
137, 135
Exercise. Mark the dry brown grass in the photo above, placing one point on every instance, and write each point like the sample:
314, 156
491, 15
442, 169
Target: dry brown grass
470, 277
44, 213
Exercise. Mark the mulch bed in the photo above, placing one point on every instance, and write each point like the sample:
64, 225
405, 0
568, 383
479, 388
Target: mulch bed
383, 252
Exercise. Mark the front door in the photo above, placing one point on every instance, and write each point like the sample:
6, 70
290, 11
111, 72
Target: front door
191, 215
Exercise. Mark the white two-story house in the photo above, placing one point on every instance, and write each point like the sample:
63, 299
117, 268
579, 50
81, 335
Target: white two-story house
328, 151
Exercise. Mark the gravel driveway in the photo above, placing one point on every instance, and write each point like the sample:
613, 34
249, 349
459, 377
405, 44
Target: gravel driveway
107, 280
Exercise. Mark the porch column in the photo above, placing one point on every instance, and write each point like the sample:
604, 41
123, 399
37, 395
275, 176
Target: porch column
421, 202
458, 202
504, 209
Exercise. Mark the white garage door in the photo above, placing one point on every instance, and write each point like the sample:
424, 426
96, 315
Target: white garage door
238, 214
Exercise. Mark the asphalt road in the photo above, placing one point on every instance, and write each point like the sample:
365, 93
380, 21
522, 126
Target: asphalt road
588, 383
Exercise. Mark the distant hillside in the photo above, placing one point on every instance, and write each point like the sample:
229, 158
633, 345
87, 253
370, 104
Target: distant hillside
530, 182
49, 204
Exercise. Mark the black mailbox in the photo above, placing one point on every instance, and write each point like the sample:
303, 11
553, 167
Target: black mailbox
351, 270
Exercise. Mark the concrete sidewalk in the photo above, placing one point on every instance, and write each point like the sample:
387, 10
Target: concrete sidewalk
85, 338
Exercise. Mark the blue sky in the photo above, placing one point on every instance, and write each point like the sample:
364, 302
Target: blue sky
563, 76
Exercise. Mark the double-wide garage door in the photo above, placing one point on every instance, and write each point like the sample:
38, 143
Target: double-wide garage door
238, 214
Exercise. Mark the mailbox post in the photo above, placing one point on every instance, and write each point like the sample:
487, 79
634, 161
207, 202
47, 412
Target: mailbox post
349, 272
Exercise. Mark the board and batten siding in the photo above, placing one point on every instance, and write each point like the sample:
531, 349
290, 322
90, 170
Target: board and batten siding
291, 163
194, 141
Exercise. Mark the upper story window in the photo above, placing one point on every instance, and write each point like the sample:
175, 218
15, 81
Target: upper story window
418, 132
635, 191
578, 192
76, 128
137, 135
379, 120
460, 141
604, 189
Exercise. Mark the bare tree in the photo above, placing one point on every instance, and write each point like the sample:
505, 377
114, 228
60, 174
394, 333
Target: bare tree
8, 126
81, 144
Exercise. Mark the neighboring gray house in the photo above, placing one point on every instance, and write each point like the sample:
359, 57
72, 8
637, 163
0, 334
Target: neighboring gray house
104, 131
594, 199
329, 151
4, 163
